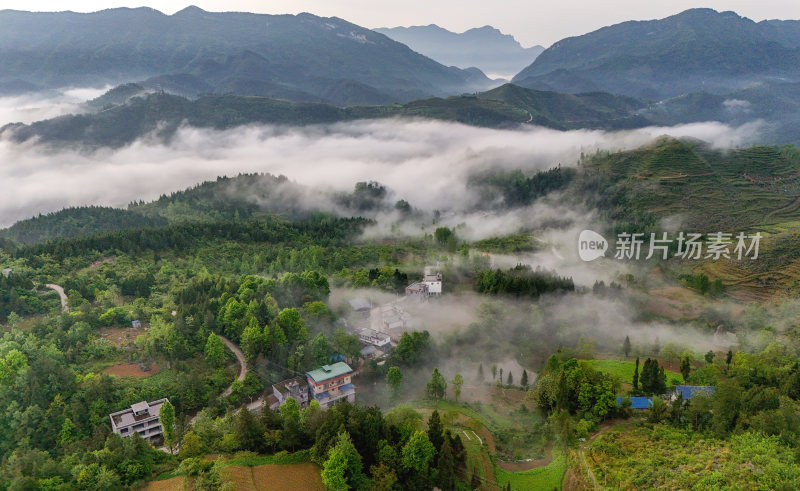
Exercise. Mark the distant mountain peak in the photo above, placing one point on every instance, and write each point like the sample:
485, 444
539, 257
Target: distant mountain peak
191, 9
484, 47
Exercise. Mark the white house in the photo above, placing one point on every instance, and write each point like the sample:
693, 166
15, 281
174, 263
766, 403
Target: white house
142, 418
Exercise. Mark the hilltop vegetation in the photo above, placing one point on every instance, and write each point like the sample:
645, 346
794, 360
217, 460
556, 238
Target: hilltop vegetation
125, 119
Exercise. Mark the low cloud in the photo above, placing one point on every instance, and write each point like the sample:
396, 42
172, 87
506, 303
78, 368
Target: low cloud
424, 162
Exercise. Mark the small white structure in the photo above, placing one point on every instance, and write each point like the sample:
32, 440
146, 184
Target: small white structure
433, 281
136, 324
7, 272
372, 337
142, 418
431, 284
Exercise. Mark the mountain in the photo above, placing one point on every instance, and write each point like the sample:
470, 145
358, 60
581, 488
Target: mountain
194, 51
696, 50
484, 47
131, 111
74, 222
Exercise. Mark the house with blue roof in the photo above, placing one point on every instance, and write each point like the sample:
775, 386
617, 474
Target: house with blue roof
330, 384
637, 403
689, 391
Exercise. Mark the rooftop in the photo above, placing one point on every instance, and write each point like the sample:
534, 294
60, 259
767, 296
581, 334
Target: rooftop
689, 391
285, 386
126, 417
637, 402
358, 304
327, 372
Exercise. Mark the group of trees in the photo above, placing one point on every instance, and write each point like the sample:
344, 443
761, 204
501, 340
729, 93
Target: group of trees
651, 381
516, 189
571, 391
521, 281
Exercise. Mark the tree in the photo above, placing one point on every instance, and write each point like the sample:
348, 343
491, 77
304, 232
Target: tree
252, 340
215, 350
435, 430
481, 377
729, 358
417, 455
249, 431
446, 467
67, 433
510, 379
653, 378
494, 372
501, 376
394, 377
292, 432
626, 346
191, 446
709, 357
459, 453
686, 367
636, 375
342, 470
437, 386
384, 478
457, 382
292, 325
524, 381
166, 416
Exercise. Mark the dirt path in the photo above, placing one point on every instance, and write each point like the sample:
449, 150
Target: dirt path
60, 290
242, 371
239, 358
585, 466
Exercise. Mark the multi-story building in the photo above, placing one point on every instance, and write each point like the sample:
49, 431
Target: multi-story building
331, 383
141, 418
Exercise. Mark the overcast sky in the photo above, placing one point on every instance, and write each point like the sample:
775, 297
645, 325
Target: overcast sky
530, 21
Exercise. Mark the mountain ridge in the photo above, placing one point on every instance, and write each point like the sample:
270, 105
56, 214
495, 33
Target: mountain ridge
484, 47
125, 45
694, 50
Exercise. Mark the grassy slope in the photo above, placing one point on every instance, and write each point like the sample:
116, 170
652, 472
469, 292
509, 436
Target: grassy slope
646, 457
624, 369
546, 477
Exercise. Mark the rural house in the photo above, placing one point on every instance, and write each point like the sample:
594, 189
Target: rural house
331, 383
142, 418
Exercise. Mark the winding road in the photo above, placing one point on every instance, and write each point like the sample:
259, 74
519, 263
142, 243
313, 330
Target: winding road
240, 358
242, 369
60, 290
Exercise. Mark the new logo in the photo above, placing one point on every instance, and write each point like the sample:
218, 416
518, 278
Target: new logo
591, 245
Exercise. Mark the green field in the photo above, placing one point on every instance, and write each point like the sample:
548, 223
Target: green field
541, 478
624, 369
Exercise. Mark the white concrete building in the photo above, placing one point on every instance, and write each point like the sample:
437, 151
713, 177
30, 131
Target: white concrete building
141, 417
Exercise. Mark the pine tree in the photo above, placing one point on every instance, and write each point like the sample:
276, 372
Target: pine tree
446, 467
494, 372
626, 346
686, 367
636, 375
729, 358
481, 378
524, 381
435, 432
510, 378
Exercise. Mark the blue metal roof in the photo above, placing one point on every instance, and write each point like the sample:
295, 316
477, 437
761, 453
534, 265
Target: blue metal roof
689, 391
347, 387
637, 402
